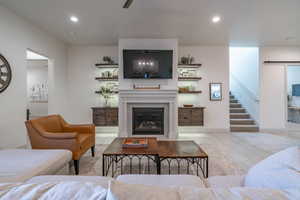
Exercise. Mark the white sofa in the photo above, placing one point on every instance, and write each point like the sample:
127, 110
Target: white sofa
18, 165
167, 187
185, 187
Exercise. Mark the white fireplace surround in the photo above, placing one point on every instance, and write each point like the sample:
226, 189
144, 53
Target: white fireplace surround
167, 99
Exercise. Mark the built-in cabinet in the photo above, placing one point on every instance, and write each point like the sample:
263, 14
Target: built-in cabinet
187, 116
105, 116
190, 116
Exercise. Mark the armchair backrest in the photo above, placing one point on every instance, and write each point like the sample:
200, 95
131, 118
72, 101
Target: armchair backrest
51, 123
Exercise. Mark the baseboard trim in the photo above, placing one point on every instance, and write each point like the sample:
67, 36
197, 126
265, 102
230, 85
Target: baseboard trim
270, 130
107, 130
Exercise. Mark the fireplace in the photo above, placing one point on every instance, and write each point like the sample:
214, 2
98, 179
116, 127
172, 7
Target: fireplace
147, 121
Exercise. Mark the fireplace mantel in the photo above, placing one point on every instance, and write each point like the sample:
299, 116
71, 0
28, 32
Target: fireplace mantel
159, 98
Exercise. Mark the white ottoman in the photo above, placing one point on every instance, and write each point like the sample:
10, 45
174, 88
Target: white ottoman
163, 180
18, 165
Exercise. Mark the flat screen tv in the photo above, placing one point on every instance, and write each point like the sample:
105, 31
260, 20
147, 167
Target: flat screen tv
296, 90
148, 64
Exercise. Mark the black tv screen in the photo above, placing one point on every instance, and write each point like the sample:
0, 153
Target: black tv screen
148, 64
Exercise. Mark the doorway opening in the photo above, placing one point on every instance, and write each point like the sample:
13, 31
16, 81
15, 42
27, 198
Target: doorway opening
37, 85
244, 89
293, 95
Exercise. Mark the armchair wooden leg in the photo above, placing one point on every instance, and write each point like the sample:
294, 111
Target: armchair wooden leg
93, 151
76, 166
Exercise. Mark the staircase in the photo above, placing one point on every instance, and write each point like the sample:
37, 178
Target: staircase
240, 120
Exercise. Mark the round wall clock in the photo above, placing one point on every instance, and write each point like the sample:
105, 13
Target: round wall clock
5, 73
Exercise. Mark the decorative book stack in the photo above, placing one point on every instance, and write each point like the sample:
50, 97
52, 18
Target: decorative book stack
135, 143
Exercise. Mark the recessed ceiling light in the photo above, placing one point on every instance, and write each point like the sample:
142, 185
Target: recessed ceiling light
216, 19
74, 19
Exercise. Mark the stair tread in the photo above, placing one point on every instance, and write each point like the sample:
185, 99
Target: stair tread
242, 119
244, 126
239, 113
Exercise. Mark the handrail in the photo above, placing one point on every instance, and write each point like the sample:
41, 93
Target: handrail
250, 93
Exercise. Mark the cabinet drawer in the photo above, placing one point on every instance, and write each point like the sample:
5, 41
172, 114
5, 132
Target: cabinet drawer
105, 116
197, 117
99, 120
184, 117
190, 116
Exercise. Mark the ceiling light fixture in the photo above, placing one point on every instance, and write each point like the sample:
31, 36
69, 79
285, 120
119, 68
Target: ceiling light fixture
74, 19
216, 19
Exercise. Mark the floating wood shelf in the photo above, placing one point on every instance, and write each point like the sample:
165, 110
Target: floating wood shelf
182, 107
189, 78
196, 65
115, 92
281, 62
106, 65
190, 92
106, 79
38, 101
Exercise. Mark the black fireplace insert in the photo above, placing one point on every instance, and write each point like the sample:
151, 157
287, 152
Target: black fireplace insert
148, 121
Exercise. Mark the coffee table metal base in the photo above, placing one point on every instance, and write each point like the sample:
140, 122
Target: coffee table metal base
199, 163
114, 162
111, 162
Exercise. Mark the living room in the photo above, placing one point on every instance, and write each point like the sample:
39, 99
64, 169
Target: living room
216, 120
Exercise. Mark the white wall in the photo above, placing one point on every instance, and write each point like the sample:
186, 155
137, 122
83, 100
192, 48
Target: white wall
244, 67
215, 68
244, 78
37, 74
81, 80
16, 36
273, 99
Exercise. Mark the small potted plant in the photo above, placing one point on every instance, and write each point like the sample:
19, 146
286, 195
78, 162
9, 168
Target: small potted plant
108, 60
106, 93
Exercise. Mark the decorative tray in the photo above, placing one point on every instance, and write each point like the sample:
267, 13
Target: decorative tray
135, 143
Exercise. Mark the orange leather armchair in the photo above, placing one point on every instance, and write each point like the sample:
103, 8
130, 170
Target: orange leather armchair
53, 132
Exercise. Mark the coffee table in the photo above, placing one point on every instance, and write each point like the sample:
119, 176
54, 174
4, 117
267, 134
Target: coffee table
115, 154
158, 152
188, 151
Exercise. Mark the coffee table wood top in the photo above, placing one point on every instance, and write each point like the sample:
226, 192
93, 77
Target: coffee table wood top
115, 148
165, 149
180, 149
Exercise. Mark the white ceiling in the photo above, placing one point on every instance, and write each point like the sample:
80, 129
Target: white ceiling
102, 22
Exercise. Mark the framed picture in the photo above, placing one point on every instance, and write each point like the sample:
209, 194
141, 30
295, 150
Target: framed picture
215, 91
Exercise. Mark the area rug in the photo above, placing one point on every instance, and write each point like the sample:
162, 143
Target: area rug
219, 164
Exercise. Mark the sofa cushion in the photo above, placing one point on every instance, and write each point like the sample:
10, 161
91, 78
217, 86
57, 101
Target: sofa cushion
280, 171
225, 181
123, 191
52, 191
99, 180
18, 165
163, 180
